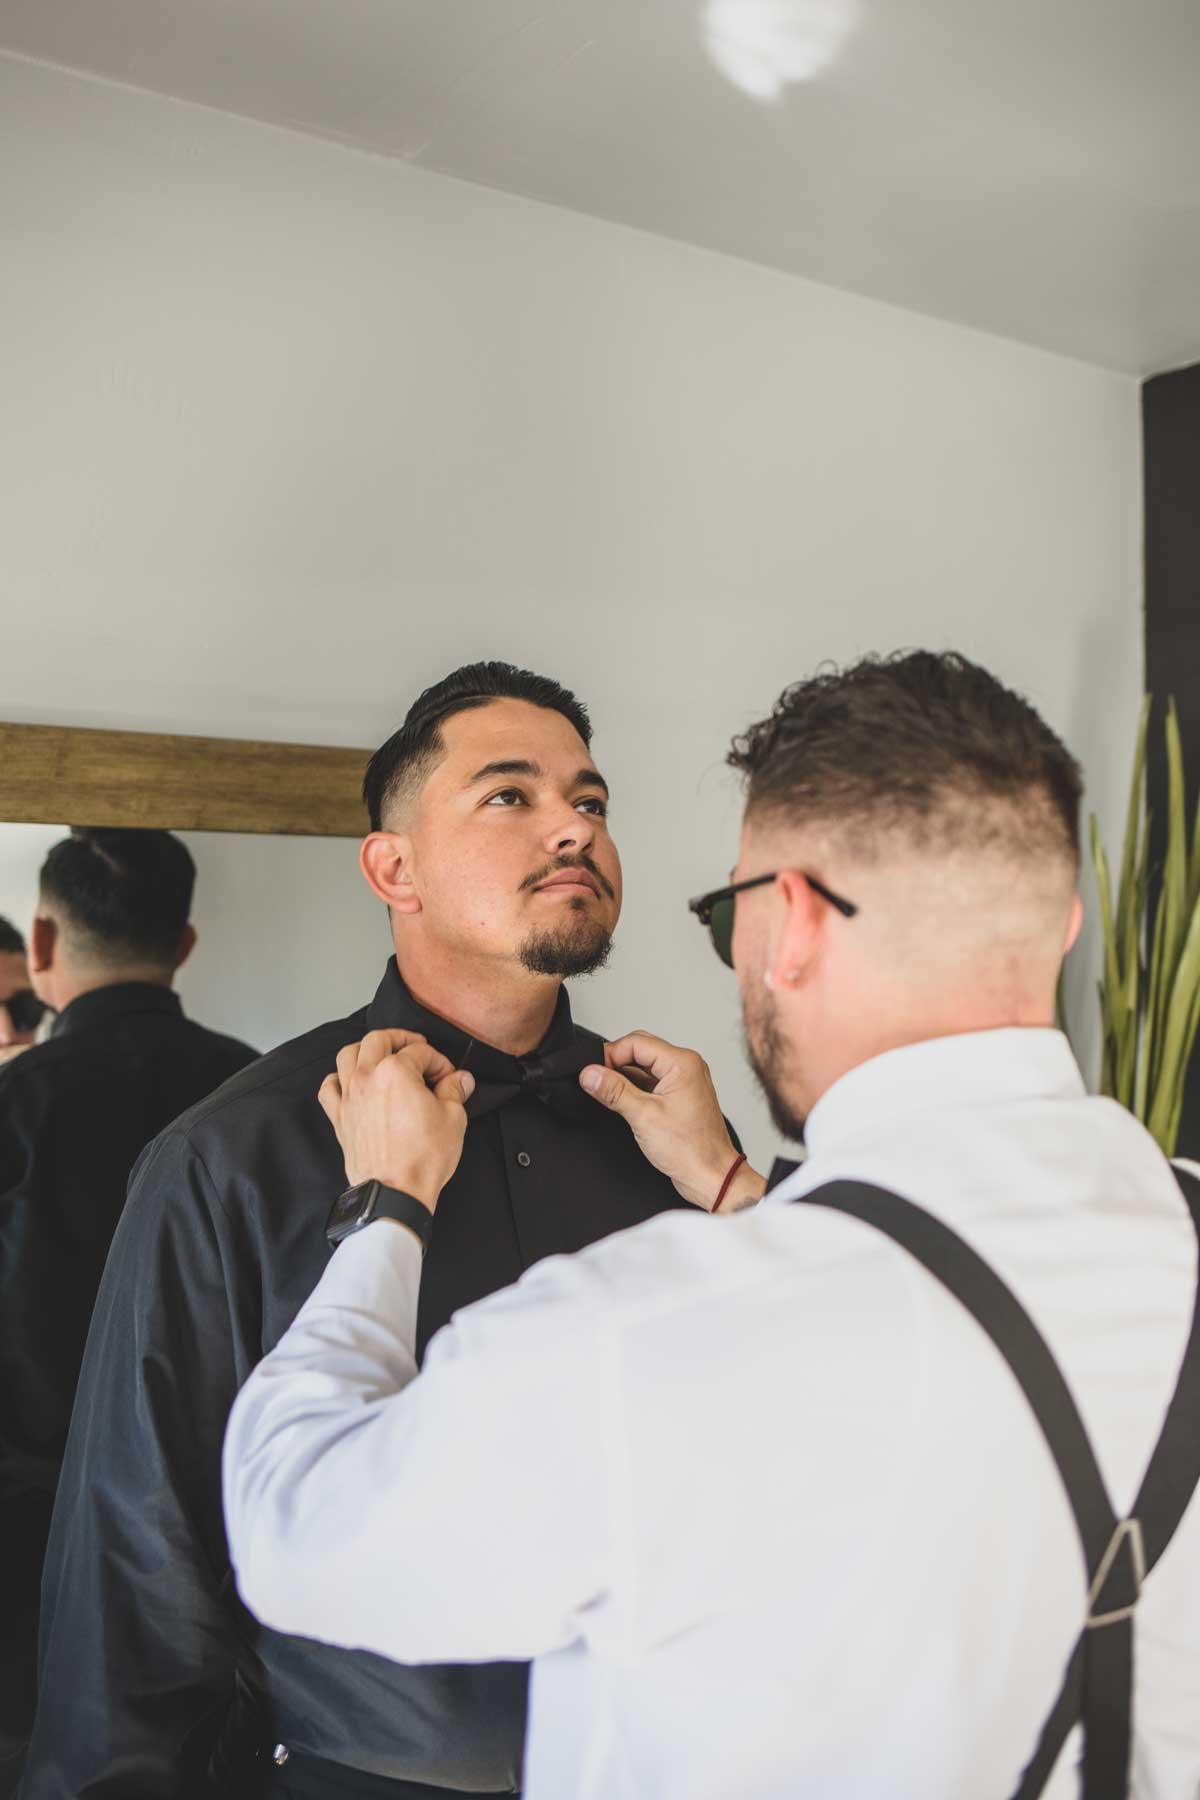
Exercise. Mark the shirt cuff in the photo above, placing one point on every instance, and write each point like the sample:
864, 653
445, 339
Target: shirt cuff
376, 1270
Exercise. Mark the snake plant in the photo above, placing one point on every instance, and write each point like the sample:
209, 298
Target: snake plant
1150, 988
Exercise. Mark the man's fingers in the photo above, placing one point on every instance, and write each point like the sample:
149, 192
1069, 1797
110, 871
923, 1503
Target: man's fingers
612, 1090
640, 1050
329, 1097
429, 1063
379, 1044
364, 1057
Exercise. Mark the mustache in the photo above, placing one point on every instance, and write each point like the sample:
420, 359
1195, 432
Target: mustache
570, 862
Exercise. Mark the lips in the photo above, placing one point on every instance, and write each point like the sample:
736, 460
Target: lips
575, 878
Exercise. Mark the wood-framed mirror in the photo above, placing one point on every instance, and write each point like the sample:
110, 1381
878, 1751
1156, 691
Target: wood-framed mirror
288, 932
156, 781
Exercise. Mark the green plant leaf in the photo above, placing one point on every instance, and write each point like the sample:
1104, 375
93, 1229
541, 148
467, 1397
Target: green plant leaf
1175, 870
1194, 864
1180, 1018
1131, 843
1152, 1032
1110, 986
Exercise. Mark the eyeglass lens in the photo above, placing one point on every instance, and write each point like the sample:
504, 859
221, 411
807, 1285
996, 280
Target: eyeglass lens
24, 1009
720, 925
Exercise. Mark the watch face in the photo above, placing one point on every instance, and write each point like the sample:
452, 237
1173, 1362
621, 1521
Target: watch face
347, 1210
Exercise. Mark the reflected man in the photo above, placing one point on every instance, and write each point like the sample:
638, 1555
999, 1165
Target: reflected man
111, 929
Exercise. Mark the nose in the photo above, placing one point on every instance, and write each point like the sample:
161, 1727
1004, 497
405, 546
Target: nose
571, 833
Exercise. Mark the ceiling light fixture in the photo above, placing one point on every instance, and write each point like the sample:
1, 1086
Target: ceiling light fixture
763, 46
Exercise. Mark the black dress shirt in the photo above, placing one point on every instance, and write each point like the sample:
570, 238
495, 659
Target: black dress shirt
154, 1680
75, 1112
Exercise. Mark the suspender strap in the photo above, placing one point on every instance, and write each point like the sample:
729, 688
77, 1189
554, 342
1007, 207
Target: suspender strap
1098, 1687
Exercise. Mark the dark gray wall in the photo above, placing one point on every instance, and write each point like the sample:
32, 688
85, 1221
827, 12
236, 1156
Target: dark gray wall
1171, 437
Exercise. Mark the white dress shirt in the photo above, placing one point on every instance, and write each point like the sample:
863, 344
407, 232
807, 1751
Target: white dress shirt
761, 1500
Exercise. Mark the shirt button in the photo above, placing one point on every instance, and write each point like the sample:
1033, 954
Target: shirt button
523, 1159
280, 1754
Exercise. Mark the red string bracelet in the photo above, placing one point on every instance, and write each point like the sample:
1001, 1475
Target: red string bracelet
737, 1163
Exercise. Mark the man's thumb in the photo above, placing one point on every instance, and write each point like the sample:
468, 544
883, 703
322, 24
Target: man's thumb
611, 1089
457, 1087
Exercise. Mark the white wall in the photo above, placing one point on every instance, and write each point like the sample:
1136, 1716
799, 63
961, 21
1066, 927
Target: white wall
289, 431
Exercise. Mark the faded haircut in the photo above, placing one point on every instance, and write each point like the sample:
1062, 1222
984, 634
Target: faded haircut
924, 747
124, 896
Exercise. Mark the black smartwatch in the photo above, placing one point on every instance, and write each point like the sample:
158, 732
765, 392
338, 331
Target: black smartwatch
371, 1200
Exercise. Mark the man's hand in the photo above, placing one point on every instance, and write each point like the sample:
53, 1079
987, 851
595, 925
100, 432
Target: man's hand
398, 1107
666, 1097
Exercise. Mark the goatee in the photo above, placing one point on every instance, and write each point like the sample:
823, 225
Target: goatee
580, 946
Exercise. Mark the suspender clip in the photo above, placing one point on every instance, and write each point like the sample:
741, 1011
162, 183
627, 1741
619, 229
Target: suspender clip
1129, 1531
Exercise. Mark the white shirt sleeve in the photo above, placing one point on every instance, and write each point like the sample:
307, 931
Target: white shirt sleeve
456, 1516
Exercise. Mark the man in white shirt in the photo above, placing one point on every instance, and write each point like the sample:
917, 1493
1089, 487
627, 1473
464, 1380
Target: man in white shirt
760, 1496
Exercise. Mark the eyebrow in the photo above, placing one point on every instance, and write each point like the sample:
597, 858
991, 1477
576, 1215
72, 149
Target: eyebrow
534, 772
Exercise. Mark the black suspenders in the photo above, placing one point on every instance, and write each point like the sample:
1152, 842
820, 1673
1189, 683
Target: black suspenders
1118, 1553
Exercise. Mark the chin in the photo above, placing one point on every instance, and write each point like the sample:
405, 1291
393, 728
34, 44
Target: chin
579, 946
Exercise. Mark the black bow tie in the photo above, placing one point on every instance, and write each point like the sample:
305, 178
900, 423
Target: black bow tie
552, 1078
550, 1074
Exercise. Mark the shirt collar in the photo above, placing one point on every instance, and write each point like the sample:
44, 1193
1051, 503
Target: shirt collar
565, 1049
122, 998
975, 1068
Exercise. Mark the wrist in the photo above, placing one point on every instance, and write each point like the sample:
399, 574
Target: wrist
746, 1189
705, 1184
416, 1182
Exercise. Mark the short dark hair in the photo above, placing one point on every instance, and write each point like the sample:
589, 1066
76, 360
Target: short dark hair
918, 742
410, 753
11, 941
124, 895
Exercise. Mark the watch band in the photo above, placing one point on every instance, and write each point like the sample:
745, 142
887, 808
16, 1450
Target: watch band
370, 1200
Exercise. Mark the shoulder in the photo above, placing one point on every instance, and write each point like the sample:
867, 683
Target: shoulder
264, 1118
280, 1078
220, 1046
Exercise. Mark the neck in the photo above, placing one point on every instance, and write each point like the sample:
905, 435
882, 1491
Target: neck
843, 1052
72, 984
500, 1004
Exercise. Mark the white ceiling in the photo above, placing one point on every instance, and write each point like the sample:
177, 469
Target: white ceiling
1029, 167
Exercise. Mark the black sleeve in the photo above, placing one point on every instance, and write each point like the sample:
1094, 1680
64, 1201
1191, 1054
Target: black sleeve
139, 1621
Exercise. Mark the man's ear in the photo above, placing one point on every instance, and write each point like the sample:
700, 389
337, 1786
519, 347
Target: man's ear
1075, 925
800, 933
187, 943
386, 861
43, 942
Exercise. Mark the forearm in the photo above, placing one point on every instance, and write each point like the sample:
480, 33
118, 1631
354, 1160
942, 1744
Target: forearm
455, 1517
294, 1451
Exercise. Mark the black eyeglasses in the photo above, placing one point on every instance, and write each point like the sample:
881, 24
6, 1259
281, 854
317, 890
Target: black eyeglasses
24, 1009
716, 909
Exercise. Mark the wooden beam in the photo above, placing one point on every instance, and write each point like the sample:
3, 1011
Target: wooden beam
53, 774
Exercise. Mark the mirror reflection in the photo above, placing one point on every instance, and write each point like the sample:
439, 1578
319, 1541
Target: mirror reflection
286, 932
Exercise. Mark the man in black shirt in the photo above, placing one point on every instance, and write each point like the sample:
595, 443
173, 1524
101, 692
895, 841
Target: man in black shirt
75, 1112
491, 849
